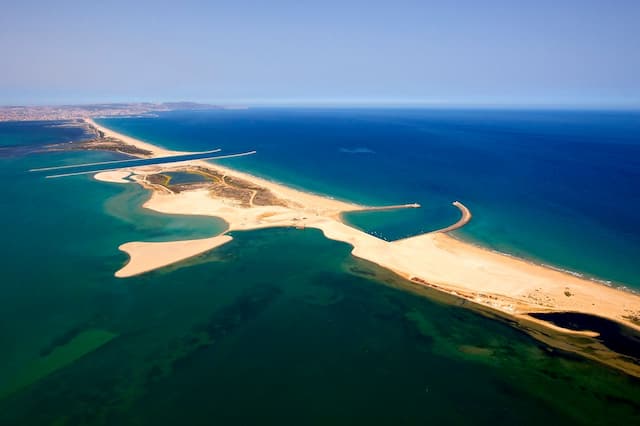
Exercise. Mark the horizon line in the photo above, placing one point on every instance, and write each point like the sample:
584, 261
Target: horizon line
351, 104
374, 103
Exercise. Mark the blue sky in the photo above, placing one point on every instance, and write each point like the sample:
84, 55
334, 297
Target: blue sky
436, 52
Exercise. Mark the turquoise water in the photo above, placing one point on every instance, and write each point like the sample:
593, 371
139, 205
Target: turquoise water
277, 327
557, 187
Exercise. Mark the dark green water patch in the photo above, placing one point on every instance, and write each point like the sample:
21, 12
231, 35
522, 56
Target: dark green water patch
78, 345
61, 340
273, 335
617, 337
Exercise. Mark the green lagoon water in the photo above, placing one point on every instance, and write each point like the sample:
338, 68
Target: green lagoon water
277, 327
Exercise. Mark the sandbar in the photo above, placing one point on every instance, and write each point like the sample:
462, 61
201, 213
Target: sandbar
148, 256
436, 259
117, 176
155, 150
503, 284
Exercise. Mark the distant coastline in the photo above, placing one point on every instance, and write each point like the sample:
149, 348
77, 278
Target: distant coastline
81, 112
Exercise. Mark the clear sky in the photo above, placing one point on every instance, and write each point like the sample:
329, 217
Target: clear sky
479, 51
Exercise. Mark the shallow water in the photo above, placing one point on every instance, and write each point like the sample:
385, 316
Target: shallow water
621, 339
278, 326
178, 178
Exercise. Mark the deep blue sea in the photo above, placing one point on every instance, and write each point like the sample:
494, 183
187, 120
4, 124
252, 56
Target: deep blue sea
556, 187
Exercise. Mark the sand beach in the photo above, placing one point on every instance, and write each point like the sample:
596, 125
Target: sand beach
510, 286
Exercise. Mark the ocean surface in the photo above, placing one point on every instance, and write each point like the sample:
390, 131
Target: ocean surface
556, 187
279, 326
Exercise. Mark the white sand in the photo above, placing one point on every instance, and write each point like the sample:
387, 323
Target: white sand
117, 176
145, 257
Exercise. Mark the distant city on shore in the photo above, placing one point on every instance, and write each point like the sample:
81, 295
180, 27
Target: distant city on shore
75, 112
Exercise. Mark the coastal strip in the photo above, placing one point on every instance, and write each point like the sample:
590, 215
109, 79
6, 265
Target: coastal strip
154, 151
487, 281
